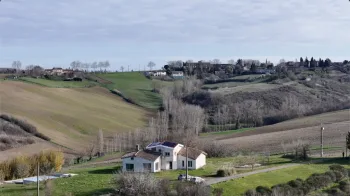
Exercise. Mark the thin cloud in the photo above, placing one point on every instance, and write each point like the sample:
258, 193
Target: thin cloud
176, 21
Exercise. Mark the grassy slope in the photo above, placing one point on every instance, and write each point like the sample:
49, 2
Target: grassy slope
69, 116
58, 84
134, 86
239, 186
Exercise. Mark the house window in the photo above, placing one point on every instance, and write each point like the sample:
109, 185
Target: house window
132, 158
189, 163
159, 150
167, 154
183, 163
157, 166
129, 167
147, 166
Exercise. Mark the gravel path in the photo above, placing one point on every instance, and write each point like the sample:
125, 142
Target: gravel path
211, 181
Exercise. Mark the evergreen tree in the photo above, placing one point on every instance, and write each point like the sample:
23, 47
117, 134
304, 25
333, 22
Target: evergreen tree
306, 62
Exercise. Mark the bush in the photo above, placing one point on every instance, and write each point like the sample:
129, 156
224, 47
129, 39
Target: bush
332, 175
318, 181
336, 192
25, 126
225, 172
139, 184
186, 189
344, 186
339, 176
262, 190
23, 166
218, 191
250, 192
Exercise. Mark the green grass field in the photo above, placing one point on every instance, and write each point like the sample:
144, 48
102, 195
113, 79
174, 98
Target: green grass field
214, 164
59, 84
241, 185
134, 86
89, 181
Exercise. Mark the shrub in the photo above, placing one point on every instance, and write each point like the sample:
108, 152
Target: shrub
340, 169
336, 192
23, 166
262, 190
318, 181
20, 167
250, 192
225, 172
332, 175
138, 184
298, 183
25, 126
186, 189
339, 176
344, 186
218, 191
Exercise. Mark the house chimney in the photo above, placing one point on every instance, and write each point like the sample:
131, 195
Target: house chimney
137, 147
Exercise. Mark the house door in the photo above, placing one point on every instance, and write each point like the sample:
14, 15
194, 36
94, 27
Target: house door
170, 165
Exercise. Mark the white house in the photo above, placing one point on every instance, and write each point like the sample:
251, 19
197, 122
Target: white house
177, 74
160, 73
159, 156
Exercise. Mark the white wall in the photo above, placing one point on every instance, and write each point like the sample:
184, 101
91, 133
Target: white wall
179, 162
138, 164
196, 164
172, 158
200, 161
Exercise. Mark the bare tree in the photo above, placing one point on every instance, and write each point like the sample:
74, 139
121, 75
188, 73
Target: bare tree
94, 66
122, 68
231, 61
100, 65
100, 142
215, 61
91, 150
106, 64
17, 65
151, 64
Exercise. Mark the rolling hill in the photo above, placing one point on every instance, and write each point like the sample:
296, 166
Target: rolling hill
70, 116
133, 86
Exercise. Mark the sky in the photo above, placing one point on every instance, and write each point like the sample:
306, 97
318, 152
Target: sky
134, 32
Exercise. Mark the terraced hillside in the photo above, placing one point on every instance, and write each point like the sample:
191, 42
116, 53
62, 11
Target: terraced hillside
69, 116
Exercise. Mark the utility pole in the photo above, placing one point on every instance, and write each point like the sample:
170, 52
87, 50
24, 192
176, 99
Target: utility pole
37, 177
128, 68
322, 129
186, 162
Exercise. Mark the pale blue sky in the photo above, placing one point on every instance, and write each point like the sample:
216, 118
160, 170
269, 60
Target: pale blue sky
133, 32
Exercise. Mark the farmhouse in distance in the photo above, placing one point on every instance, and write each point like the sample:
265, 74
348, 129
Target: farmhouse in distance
166, 155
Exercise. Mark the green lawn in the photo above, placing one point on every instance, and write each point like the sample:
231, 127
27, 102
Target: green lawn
90, 181
240, 186
226, 132
134, 86
58, 84
214, 164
